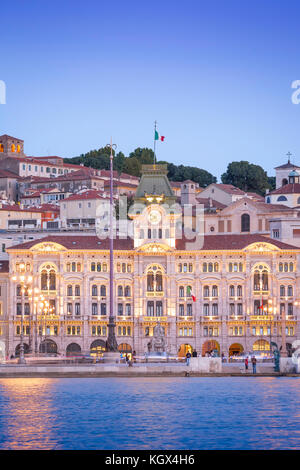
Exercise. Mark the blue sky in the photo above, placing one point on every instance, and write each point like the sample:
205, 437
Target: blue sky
216, 75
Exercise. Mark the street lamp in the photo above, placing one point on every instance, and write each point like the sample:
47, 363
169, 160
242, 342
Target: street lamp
25, 281
111, 343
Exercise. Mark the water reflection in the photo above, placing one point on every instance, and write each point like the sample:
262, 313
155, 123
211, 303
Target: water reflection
28, 415
150, 413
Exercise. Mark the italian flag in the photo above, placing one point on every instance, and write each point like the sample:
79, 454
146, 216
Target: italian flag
191, 294
157, 136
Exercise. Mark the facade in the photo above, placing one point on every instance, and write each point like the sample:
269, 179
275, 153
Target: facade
246, 287
231, 277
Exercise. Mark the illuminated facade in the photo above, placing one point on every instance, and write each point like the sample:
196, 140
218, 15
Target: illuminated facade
246, 288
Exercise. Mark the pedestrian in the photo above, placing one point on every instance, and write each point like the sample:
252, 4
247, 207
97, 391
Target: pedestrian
188, 358
134, 356
253, 360
246, 363
194, 353
126, 358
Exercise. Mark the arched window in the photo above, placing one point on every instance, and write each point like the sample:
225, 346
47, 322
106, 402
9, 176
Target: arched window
268, 200
284, 182
77, 291
154, 279
159, 282
181, 291
290, 291
69, 290
94, 290
231, 291
281, 198
18, 148
239, 291
127, 291
150, 282
214, 291
204, 267
282, 291
206, 291
245, 223
48, 278
13, 148
1, 148
261, 278
103, 291
120, 291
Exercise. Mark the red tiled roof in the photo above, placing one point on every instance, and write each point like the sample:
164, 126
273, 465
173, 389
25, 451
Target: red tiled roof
10, 137
256, 196
8, 174
229, 188
16, 208
290, 188
89, 194
211, 243
83, 242
206, 202
233, 242
286, 165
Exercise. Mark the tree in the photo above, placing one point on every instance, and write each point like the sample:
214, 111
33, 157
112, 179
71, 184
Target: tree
132, 166
119, 162
246, 176
145, 156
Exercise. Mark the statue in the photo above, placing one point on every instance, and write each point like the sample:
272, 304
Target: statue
158, 341
276, 353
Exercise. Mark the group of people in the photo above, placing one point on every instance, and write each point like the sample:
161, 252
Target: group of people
253, 361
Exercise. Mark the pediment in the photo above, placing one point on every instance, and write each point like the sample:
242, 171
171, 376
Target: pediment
48, 247
260, 247
155, 248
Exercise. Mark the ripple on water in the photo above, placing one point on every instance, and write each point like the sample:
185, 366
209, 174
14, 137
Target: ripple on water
150, 413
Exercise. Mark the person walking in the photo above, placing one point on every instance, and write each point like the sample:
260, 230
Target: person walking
188, 358
253, 360
246, 363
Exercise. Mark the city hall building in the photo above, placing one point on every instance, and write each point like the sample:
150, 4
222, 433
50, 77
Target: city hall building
226, 294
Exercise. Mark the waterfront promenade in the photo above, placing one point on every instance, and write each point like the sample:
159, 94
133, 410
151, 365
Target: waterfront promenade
136, 370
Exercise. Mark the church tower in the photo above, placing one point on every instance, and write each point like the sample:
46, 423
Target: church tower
11, 146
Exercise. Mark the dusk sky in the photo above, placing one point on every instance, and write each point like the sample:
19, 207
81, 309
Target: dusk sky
216, 75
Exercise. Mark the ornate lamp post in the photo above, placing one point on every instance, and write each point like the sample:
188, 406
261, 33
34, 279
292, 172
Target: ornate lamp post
24, 281
111, 343
283, 352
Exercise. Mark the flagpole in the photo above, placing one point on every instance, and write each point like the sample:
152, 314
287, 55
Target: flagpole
154, 140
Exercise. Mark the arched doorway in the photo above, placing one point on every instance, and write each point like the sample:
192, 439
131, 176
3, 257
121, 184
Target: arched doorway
125, 348
184, 349
235, 349
211, 347
73, 349
17, 350
97, 348
48, 347
261, 345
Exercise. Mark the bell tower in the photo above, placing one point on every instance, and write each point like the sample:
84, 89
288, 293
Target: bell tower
11, 146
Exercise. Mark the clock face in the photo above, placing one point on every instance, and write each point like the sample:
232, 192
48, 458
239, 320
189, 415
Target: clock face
154, 217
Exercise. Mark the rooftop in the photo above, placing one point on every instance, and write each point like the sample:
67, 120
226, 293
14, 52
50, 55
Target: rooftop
211, 242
